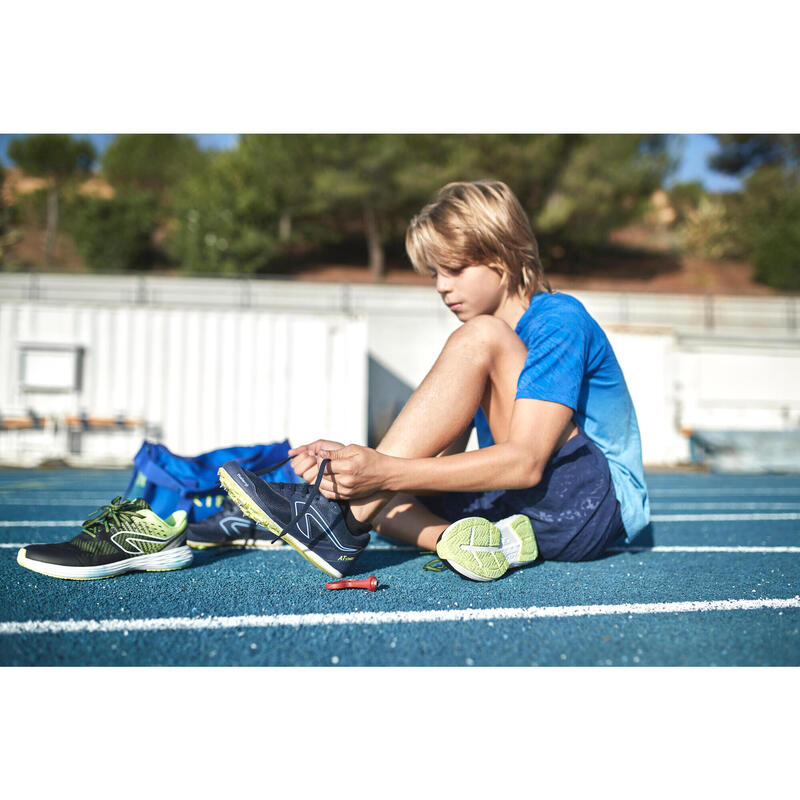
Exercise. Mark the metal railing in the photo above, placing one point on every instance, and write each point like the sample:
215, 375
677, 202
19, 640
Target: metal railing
778, 315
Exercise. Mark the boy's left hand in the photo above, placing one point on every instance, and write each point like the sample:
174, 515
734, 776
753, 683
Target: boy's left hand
354, 471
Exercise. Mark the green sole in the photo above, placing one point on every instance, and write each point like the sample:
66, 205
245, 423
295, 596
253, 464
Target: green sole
471, 547
238, 544
529, 549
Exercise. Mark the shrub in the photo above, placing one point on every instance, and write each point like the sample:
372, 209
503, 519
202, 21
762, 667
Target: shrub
115, 234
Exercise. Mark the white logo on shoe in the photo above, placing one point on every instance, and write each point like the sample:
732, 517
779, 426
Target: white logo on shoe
313, 516
128, 541
232, 525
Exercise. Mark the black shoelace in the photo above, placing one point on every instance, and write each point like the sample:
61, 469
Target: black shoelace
313, 492
117, 513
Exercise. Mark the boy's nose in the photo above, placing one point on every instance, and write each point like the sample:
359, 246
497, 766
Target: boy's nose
442, 284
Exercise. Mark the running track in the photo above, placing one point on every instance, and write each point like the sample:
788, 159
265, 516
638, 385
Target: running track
719, 585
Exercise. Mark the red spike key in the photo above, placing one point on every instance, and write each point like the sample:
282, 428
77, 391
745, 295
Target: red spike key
370, 583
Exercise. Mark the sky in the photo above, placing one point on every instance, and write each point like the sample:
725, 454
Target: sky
692, 151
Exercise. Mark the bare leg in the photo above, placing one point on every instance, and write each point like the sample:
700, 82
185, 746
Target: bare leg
406, 520
479, 365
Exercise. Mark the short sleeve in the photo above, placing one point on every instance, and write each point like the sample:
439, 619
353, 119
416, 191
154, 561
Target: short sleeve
556, 363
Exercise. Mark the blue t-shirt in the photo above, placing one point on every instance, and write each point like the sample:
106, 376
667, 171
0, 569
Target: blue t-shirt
570, 361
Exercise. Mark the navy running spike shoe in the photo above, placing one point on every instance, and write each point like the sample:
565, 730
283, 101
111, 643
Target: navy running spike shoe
301, 516
229, 528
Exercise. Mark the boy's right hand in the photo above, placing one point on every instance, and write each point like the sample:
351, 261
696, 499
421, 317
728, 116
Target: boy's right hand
305, 458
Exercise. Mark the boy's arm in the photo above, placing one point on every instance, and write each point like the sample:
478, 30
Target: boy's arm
538, 428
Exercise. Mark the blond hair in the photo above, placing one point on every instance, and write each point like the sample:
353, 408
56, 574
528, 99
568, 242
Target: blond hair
468, 224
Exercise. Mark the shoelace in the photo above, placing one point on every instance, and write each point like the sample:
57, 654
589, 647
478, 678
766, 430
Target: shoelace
117, 511
435, 564
313, 494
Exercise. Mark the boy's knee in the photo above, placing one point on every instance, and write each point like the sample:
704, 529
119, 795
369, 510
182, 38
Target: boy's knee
484, 332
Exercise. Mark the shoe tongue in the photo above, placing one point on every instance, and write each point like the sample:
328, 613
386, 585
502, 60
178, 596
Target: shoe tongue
137, 504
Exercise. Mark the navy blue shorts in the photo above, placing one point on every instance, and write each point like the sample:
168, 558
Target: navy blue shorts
574, 510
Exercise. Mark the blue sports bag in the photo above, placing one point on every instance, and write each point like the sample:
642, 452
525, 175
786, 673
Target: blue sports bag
170, 482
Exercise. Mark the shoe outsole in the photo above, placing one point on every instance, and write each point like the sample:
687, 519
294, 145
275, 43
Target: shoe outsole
244, 544
520, 526
257, 514
484, 551
471, 547
163, 561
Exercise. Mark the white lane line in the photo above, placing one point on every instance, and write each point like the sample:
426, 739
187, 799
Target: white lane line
631, 549
386, 617
732, 506
737, 490
722, 517
703, 549
94, 502
33, 523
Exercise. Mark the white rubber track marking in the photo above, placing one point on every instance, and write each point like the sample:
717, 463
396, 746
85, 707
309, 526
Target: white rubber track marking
724, 506
94, 503
752, 491
32, 523
631, 549
722, 517
732, 505
386, 617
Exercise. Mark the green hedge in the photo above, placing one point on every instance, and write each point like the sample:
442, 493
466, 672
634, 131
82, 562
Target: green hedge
116, 234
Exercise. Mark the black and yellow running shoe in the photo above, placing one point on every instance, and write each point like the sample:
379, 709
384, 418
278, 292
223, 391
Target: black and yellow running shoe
124, 536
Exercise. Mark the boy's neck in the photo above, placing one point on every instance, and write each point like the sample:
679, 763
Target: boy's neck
512, 310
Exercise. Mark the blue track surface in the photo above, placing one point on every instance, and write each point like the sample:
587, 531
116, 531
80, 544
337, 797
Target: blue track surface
272, 608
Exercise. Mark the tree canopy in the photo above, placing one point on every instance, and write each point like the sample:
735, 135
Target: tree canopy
276, 193
58, 158
276, 198
150, 161
745, 152
52, 155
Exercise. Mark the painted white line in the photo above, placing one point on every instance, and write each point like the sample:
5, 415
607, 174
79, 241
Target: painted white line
386, 617
702, 549
732, 506
722, 517
98, 500
279, 549
752, 491
35, 523
755, 517
630, 549
93, 503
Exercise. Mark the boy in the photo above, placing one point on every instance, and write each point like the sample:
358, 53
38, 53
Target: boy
558, 474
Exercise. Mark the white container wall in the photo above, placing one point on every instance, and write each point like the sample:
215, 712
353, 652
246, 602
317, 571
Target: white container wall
196, 380
739, 384
207, 362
